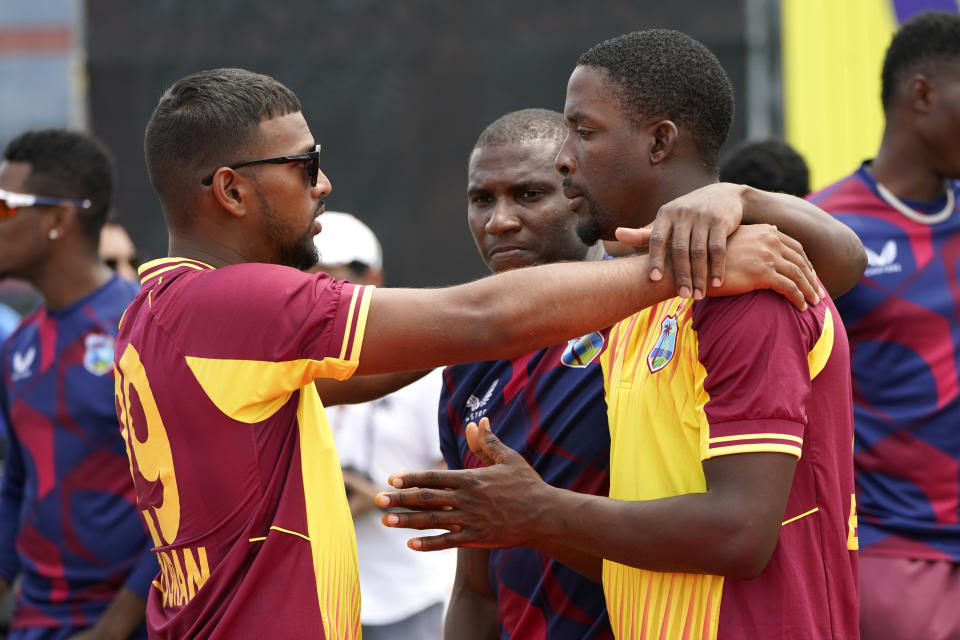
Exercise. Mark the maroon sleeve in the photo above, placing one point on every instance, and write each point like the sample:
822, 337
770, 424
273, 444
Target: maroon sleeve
265, 312
754, 350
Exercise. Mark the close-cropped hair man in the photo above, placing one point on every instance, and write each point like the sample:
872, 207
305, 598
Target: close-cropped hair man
69, 526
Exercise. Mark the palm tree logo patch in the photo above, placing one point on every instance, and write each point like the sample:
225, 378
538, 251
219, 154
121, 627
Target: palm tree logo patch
665, 347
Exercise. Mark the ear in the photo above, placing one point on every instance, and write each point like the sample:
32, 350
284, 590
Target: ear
59, 221
921, 93
663, 137
232, 191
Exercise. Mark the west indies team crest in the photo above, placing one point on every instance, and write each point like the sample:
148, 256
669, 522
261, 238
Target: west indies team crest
666, 346
581, 351
98, 356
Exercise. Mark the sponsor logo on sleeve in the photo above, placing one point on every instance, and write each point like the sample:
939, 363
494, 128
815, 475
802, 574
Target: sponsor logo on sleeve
581, 351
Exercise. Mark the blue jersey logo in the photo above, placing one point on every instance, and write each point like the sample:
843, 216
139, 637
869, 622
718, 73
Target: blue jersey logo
581, 351
663, 350
98, 357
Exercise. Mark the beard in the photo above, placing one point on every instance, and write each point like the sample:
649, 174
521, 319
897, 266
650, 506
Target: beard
299, 253
588, 230
596, 224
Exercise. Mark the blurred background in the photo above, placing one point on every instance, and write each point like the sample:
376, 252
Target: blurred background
397, 91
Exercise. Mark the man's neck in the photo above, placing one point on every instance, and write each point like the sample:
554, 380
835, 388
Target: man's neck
214, 254
681, 183
68, 278
902, 168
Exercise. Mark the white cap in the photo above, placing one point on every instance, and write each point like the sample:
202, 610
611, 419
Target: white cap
344, 239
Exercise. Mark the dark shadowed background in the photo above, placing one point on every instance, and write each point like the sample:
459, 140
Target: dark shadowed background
395, 91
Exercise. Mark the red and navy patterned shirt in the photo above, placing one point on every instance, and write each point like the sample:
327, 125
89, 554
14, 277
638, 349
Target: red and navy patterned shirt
904, 330
549, 406
68, 522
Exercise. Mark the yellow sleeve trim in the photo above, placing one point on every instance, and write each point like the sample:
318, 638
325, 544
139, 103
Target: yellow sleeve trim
757, 436
359, 306
818, 356
281, 530
802, 515
753, 448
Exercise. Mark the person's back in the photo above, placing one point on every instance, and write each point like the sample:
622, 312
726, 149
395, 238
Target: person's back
904, 335
256, 494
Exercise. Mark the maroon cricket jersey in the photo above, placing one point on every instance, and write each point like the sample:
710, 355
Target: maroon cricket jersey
688, 381
235, 469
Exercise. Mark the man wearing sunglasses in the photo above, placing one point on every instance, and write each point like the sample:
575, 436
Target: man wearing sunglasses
236, 473
68, 525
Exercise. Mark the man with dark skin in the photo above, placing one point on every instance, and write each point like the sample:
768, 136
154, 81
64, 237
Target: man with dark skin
68, 525
238, 174
543, 404
904, 335
704, 449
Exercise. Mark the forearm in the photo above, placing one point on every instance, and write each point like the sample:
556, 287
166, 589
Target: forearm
587, 563
364, 388
122, 617
472, 613
691, 533
504, 315
834, 249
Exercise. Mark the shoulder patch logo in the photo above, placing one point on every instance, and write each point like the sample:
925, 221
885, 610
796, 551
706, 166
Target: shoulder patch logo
21, 363
666, 345
98, 357
581, 351
883, 262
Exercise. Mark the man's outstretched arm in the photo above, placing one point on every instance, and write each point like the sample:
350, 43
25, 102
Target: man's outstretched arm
730, 530
357, 389
511, 313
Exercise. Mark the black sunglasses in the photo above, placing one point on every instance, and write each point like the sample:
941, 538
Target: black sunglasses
310, 160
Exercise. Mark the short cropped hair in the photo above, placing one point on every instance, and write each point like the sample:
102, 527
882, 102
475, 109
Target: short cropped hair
526, 125
68, 164
661, 73
771, 165
205, 121
921, 43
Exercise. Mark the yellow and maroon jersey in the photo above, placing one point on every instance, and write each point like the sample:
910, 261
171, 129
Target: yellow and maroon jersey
232, 458
687, 381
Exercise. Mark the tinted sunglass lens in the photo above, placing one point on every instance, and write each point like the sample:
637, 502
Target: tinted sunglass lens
5, 211
313, 169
